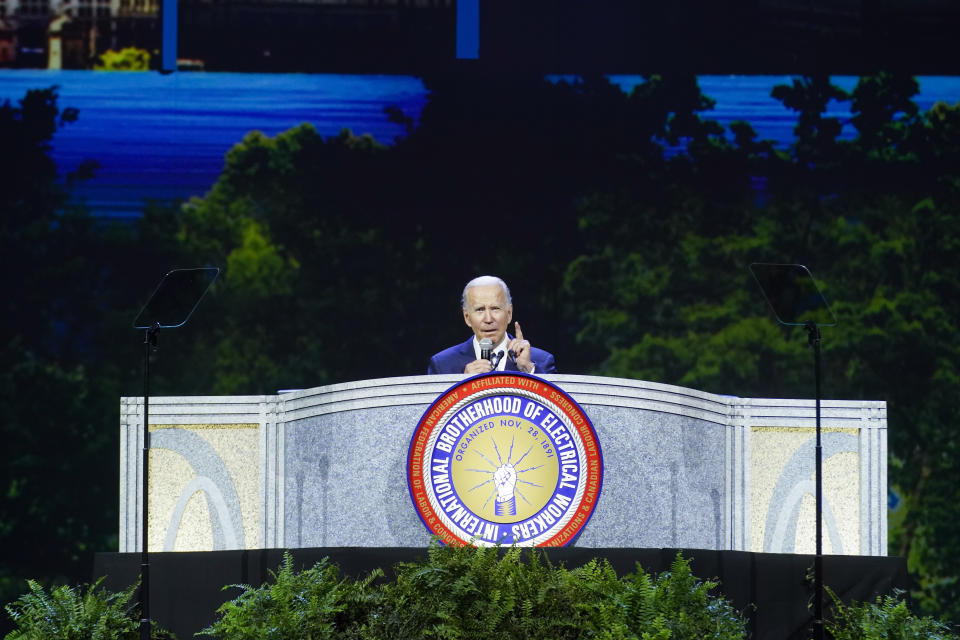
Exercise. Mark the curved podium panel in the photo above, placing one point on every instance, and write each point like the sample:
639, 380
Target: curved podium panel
325, 467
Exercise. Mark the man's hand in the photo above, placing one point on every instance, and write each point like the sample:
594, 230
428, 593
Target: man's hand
478, 366
521, 348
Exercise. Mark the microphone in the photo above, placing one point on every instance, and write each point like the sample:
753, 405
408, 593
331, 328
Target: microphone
486, 347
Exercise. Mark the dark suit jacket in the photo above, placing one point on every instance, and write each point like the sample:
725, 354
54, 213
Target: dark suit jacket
454, 359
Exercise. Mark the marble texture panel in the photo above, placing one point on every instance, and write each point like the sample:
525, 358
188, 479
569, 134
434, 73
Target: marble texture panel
326, 467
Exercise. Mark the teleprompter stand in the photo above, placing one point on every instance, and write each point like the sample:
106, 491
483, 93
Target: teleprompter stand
170, 306
792, 293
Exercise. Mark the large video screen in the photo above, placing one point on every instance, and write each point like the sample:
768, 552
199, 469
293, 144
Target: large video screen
163, 138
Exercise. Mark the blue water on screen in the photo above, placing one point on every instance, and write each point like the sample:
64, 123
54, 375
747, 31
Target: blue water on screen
164, 137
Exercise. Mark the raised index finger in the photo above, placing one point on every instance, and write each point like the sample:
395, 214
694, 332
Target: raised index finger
516, 326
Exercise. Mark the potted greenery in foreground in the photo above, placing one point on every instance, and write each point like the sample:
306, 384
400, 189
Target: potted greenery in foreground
67, 613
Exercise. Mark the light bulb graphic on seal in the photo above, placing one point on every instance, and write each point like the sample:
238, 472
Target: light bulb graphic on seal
500, 495
505, 477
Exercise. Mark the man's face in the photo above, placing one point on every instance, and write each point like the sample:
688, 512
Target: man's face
487, 312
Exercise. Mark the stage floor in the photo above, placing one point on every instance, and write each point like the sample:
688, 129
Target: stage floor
186, 588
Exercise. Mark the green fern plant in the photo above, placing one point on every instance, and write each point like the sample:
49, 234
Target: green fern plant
682, 604
298, 605
578, 603
457, 592
887, 618
494, 594
640, 603
467, 593
66, 613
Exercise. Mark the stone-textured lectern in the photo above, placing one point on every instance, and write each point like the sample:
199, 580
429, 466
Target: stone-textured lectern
325, 467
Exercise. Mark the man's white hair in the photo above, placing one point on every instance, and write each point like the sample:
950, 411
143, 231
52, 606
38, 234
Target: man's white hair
483, 281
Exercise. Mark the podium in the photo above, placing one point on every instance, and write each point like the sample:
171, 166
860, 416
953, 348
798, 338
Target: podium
324, 467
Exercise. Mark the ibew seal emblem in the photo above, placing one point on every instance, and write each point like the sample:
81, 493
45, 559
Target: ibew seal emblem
505, 459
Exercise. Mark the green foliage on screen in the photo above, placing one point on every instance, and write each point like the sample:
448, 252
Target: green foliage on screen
127, 59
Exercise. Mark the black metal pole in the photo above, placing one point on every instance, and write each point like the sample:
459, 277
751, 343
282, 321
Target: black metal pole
149, 342
813, 332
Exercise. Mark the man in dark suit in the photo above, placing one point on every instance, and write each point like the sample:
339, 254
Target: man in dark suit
487, 310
